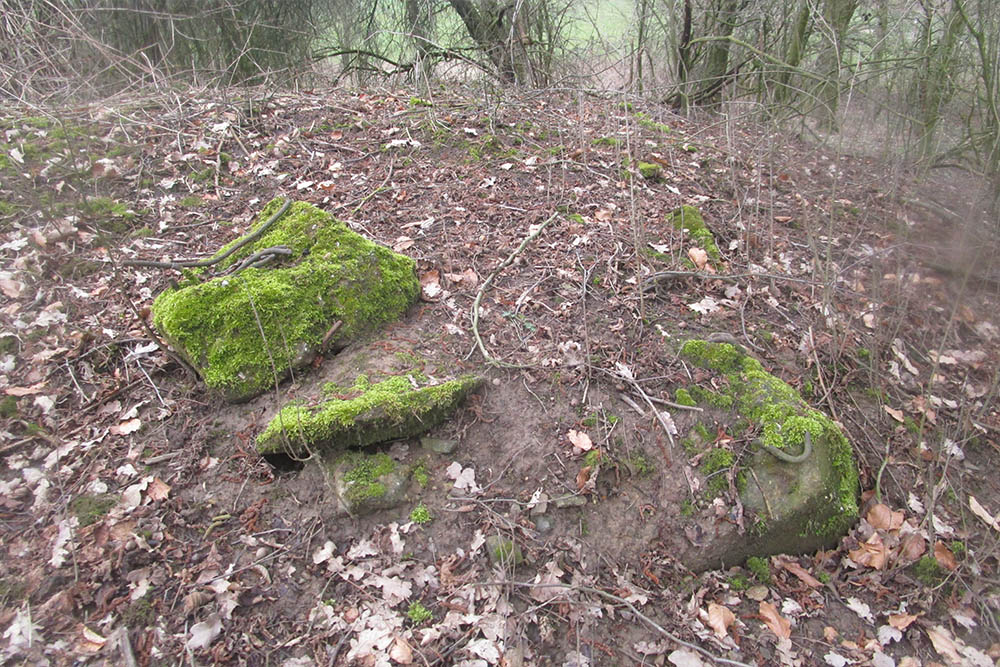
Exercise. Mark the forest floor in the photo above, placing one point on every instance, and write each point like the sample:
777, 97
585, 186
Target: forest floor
138, 526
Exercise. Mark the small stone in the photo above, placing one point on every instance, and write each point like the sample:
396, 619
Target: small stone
541, 506
570, 501
439, 445
543, 524
503, 552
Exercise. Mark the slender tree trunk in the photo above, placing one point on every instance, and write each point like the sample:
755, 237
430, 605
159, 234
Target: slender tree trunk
419, 25
796, 47
935, 89
717, 59
684, 58
837, 16
485, 26
640, 47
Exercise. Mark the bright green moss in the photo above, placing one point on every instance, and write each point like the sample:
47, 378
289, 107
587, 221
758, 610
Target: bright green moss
650, 171
640, 464
385, 411
717, 459
683, 397
715, 462
738, 582
689, 218
241, 330
760, 569
421, 515
607, 141
592, 458
420, 475
650, 124
363, 474
783, 418
418, 613
712, 398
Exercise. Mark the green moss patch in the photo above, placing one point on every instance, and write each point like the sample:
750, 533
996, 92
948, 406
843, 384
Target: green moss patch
365, 483
243, 331
689, 220
806, 505
372, 413
650, 171
90, 508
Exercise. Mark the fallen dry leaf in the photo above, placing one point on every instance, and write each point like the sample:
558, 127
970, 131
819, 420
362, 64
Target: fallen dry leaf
699, 257
25, 391
467, 279
801, 573
944, 556
580, 440
901, 621
944, 644
983, 513
126, 427
11, 288
401, 651
871, 553
158, 490
883, 518
402, 243
719, 619
913, 547
777, 623
895, 414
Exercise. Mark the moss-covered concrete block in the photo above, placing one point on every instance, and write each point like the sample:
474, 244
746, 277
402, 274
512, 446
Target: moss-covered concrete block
503, 552
241, 330
689, 220
365, 414
366, 483
796, 506
650, 171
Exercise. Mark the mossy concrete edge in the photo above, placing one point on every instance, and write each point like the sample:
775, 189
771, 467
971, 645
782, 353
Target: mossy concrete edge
244, 331
366, 415
812, 520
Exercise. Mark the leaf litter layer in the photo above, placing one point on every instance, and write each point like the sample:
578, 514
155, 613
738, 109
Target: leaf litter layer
825, 276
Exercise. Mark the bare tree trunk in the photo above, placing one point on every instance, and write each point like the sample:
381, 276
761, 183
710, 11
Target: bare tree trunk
717, 59
418, 23
485, 25
684, 58
934, 87
642, 16
796, 48
837, 16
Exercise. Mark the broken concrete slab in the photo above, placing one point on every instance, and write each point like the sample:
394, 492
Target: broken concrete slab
244, 329
364, 414
365, 483
797, 483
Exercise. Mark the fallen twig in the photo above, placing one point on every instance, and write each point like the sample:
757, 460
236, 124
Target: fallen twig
199, 263
486, 283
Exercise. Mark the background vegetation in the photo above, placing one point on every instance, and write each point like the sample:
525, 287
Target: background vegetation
921, 75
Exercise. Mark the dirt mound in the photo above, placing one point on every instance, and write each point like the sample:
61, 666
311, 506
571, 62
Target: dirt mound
138, 521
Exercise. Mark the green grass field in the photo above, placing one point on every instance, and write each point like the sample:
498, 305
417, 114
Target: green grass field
604, 21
